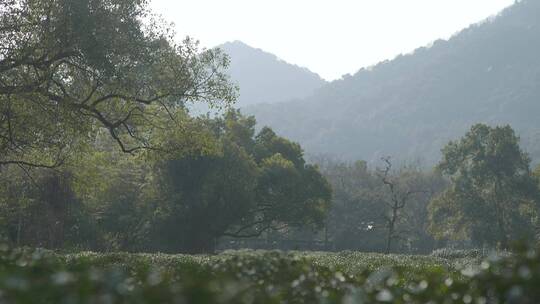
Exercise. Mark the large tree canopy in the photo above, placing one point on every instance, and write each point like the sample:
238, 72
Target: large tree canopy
251, 184
229, 182
71, 67
493, 197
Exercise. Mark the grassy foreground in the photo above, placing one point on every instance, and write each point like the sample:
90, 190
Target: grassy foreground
36, 276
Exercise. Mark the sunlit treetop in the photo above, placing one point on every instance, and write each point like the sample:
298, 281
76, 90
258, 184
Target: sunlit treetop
71, 67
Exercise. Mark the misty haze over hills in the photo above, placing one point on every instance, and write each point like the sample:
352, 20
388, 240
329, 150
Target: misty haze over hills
264, 78
410, 107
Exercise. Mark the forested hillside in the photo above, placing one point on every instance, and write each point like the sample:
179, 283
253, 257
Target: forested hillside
411, 106
264, 78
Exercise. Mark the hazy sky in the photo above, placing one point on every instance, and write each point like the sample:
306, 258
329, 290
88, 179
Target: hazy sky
330, 37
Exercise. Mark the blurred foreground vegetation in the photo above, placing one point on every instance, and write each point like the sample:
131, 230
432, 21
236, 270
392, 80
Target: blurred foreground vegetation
39, 276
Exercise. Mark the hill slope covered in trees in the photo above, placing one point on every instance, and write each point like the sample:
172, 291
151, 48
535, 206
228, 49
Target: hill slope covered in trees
411, 106
264, 78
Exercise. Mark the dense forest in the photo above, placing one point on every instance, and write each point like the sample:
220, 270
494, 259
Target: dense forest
411, 106
235, 183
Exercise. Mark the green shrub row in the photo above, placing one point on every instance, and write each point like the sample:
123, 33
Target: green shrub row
37, 276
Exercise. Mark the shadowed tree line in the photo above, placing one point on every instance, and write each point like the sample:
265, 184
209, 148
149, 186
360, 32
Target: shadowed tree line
239, 184
97, 149
482, 193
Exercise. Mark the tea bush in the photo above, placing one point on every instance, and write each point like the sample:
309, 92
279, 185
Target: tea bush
38, 276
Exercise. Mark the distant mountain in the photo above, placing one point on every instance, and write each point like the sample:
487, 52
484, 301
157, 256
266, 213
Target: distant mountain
413, 105
264, 78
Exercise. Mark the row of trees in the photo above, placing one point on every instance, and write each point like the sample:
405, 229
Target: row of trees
98, 151
382, 209
482, 193
239, 184
242, 185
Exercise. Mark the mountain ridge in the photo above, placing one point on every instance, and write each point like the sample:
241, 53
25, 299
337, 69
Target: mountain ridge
265, 78
411, 106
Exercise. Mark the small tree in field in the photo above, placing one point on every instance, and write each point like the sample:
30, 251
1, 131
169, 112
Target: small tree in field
399, 197
493, 197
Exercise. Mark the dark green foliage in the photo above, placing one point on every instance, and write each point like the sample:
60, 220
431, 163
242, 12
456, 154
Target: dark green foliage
251, 184
42, 210
493, 197
362, 207
33, 276
226, 181
202, 197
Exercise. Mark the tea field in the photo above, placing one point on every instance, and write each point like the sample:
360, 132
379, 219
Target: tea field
39, 276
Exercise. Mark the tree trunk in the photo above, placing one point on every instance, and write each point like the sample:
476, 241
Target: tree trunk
391, 229
326, 236
499, 211
19, 228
